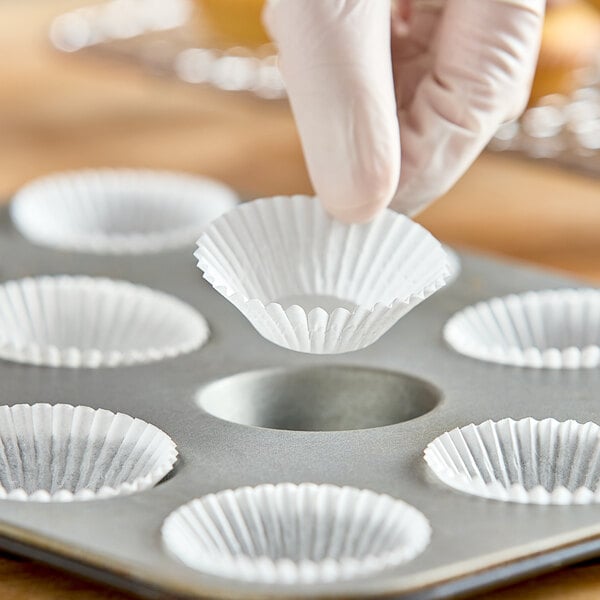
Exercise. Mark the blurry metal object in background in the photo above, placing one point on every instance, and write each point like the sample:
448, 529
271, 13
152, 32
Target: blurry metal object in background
562, 124
173, 38
187, 40
116, 20
564, 130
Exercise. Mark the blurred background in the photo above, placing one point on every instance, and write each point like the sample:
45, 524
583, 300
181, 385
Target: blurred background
193, 85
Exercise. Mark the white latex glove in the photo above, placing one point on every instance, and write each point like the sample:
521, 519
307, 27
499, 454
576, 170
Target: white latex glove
434, 94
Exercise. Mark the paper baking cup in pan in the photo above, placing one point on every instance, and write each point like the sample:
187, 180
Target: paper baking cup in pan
63, 453
295, 534
119, 211
558, 329
312, 284
527, 461
65, 321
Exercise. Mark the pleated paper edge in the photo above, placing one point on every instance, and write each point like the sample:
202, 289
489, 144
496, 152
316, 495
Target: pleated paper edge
92, 358
453, 263
293, 312
423, 294
334, 570
126, 488
119, 244
476, 486
232, 295
571, 358
293, 327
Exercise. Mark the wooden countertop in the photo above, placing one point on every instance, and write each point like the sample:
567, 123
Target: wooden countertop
62, 112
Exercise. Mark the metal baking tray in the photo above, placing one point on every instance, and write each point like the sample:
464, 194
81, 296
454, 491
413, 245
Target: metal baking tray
476, 543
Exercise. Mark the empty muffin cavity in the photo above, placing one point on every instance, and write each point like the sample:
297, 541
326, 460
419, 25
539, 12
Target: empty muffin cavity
327, 398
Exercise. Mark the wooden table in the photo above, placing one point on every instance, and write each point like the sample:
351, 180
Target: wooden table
63, 112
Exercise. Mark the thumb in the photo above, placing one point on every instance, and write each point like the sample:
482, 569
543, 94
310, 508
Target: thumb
335, 59
481, 76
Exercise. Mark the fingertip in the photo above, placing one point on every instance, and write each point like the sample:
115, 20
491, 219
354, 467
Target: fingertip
336, 63
358, 208
267, 16
360, 192
354, 214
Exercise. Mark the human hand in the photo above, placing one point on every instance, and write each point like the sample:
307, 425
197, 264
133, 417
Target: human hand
394, 106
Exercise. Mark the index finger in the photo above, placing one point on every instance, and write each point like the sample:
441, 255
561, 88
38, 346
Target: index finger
336, 63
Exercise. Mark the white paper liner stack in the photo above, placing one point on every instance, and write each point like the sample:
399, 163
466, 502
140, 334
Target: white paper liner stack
65, 321
63, 453
312, 284
557, 329
119, 211
295, 534
527, 461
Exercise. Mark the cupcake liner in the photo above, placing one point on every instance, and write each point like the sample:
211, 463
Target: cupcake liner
312, 284
118, 211
64, 453
66, 321
557, 329
454, 264
295, 534
527, 461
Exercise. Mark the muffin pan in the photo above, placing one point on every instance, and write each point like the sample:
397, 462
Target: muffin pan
244, 412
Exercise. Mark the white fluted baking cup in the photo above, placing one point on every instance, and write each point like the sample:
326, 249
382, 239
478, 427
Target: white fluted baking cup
63, 453
312, 284
557, 329
64, 321
527, 461
119, 211
295, 534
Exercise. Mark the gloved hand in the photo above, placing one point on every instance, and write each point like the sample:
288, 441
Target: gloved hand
433, 97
